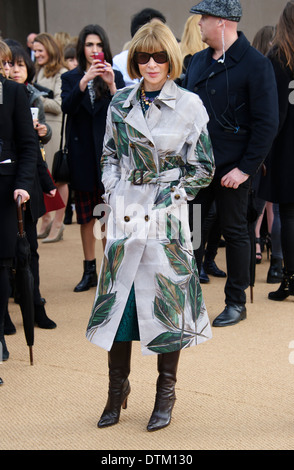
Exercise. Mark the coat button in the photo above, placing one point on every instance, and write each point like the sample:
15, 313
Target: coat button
126, 218
146, 218
212, 92
172, 189
177, 196
132, 145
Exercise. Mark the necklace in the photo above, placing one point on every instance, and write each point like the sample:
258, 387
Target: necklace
146, 101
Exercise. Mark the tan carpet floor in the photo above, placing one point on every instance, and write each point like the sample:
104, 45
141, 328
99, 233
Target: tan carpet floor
233, 392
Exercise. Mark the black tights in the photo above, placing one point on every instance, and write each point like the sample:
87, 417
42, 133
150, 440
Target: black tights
287, 235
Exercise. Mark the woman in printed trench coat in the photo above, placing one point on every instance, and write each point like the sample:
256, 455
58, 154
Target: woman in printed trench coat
151, 165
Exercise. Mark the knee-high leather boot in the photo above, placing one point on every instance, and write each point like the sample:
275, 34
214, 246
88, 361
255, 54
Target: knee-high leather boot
119, 364
167, 364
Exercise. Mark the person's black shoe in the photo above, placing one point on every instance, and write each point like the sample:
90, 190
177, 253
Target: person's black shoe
41, 318
203, 278
210, 267
286, 288
1, 381
231, 315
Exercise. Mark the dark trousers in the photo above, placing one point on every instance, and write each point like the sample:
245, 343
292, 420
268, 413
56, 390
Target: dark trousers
231, 206
287, 235
211, 233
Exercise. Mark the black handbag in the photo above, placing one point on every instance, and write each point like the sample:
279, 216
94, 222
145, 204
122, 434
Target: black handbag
60, 166
44, 89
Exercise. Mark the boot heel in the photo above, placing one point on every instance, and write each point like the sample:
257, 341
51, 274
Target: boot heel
125, 404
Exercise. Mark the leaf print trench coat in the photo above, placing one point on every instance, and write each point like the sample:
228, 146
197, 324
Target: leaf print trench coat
150, 166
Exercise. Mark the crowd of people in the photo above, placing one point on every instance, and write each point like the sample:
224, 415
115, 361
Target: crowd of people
163, 126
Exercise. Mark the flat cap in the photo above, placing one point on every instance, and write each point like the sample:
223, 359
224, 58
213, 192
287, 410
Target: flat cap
228, 9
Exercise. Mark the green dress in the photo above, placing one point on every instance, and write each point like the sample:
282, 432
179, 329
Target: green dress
128, 329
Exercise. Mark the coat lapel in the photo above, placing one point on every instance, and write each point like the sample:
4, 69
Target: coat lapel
135, 117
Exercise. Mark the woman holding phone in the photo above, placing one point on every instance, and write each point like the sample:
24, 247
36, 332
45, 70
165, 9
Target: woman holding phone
86, 93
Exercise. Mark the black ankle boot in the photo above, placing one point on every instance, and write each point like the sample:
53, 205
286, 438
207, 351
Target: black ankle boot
119, 364
210, 267
286, 288
89, 278
203, 278
41, 318
275, 272
165, 390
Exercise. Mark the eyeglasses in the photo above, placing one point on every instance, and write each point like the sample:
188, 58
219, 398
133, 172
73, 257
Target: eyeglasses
7, 62
144, 57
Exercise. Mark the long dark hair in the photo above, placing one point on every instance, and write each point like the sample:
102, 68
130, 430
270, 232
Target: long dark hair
284, 39
99, 85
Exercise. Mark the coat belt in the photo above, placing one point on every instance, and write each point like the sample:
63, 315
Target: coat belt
138, 176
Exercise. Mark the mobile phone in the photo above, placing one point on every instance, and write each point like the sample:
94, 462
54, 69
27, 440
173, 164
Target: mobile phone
98, 56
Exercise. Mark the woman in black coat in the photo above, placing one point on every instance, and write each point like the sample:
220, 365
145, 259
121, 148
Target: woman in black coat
23, 71
86, 94
278, 183
18, 153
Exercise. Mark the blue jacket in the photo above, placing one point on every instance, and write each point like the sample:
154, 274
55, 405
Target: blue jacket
241, 99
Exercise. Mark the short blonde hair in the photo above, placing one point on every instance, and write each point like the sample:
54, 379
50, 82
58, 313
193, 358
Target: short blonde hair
5, 54
154, 37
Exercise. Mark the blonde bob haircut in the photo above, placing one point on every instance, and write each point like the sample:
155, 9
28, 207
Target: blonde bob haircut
5, 54
155, 37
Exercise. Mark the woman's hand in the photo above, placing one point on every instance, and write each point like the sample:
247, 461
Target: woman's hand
23, 193
40, 128
109, 77
99, 69
52, 193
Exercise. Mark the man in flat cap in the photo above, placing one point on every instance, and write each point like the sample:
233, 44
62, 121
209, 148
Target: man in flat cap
237, 86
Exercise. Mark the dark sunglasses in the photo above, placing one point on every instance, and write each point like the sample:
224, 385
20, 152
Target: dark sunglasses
7, 62
144, 57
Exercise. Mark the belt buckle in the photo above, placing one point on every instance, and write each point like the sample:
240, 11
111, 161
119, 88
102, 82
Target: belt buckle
140, 182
